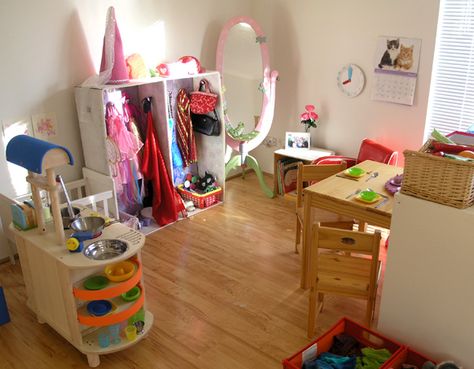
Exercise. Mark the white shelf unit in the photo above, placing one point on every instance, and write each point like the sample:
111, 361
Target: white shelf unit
91, 107
305, 155
427, 299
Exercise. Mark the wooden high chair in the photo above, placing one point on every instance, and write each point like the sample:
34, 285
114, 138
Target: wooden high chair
307, 174
343, 262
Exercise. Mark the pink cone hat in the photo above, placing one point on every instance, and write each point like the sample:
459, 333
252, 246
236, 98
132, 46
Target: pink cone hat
113, 66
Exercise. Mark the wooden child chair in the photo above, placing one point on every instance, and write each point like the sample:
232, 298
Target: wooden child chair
307, 174
352, 271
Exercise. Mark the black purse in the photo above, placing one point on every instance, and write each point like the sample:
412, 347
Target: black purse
206, 125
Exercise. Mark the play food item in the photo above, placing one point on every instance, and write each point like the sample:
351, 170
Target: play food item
467, 154
132, 294
354, 172
131, 332
368, 196
105, 249
120, 272
99, 307
96, 283
104, 340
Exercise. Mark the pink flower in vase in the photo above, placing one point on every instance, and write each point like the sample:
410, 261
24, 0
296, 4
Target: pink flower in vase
309, 117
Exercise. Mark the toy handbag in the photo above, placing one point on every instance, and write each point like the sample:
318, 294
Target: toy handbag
206, 125
203, 101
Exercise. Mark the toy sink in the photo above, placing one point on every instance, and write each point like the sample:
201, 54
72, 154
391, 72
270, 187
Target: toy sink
105, 249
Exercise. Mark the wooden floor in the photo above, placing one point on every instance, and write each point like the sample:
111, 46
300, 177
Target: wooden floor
223, 287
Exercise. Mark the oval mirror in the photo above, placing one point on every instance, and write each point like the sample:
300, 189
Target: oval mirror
248, 84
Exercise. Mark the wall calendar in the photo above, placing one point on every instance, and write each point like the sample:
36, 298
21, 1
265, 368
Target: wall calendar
396, 69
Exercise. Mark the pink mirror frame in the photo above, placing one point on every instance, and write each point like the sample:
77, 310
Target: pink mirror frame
268, 85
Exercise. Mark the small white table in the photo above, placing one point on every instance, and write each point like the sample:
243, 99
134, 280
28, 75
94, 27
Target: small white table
305, 155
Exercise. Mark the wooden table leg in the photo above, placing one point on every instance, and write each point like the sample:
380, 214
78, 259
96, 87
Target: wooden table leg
306, 249
276, 157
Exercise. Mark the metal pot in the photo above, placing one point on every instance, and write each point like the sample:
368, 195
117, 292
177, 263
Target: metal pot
94, 225
66, 218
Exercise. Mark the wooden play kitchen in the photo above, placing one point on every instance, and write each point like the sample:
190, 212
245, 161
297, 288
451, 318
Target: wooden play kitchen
95, 298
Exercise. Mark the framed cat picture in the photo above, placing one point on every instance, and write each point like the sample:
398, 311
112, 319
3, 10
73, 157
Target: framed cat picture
396, 69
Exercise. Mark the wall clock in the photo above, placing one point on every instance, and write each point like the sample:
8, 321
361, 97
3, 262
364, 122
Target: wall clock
351, 80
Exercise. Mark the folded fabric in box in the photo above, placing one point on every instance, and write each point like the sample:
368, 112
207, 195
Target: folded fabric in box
23, 216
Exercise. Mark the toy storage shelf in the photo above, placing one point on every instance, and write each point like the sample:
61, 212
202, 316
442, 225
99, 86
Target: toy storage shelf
53, 276
91, 107
124, 310
113, 289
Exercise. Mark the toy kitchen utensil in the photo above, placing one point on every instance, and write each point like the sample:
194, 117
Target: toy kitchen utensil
59, 179
353, 193
373, 175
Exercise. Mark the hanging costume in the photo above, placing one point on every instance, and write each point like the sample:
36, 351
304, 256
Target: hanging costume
166, 201
124, 162
184, 129
177, 160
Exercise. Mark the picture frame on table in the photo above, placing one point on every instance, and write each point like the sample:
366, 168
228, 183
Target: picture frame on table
298, 140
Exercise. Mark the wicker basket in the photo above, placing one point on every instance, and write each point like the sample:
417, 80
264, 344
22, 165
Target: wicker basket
442, 180
201, 200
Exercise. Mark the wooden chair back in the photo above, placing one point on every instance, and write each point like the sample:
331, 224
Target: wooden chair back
328, 238
313, 173
343, 262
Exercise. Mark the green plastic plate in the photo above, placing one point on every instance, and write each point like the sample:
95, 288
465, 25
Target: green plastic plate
132, 294
354, 172
96, 283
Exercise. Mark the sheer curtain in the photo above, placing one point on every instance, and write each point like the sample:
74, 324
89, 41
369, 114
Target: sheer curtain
451, 100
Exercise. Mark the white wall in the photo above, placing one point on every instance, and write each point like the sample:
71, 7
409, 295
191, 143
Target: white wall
310, 40
49, 46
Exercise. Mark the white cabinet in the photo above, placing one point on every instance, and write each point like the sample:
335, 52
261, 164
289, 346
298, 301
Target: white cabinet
427, 298
91, 105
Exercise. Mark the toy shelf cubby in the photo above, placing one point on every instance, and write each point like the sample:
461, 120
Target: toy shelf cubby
54, 280
91, 108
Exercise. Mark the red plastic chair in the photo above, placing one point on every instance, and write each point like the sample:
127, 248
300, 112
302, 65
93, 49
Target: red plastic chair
369, 150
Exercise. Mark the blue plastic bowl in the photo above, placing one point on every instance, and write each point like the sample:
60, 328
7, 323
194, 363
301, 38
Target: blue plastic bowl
99, 307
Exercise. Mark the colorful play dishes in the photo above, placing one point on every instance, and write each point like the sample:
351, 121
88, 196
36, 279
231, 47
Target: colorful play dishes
355, 172
96, 282
393, 185
104, 340
131, 332
115, 333
105, 249
93, 225
368, 196
120, 272
132, 294
99, 307
397, 180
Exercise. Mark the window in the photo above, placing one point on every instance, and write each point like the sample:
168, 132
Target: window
451, 101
